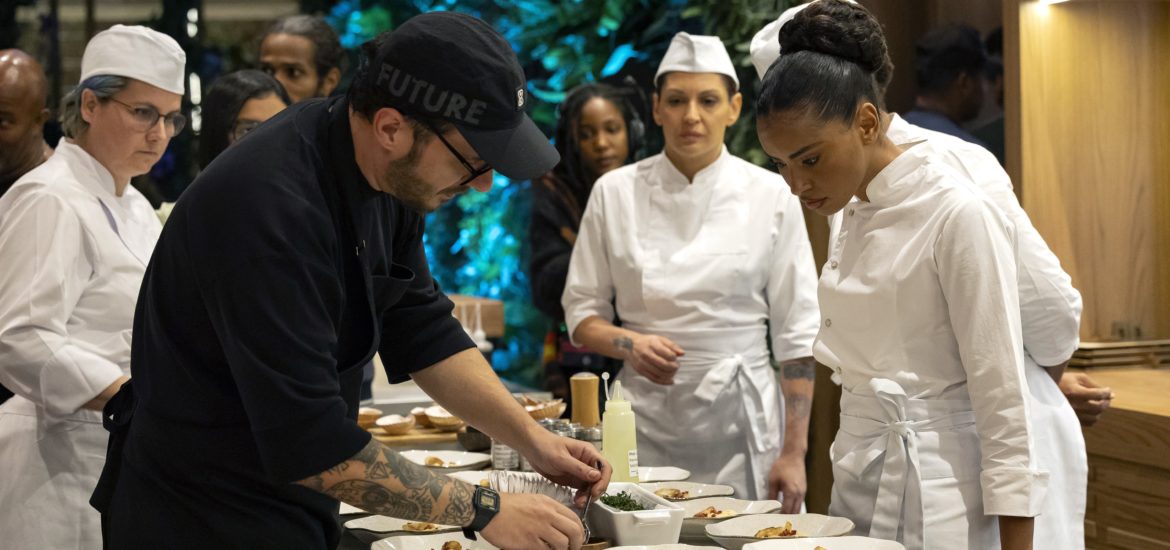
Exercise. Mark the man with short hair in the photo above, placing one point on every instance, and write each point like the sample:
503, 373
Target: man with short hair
304, 54
949, 65
290, 260
22, 116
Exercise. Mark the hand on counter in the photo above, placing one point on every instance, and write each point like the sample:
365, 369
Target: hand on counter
1087, 398
533, 522
568, 462
655, 357
788, 481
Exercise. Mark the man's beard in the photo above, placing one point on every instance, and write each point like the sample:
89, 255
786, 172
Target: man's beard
403, 183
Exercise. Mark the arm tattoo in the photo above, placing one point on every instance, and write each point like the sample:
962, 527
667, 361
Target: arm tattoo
624, 343
379, 480
800, 369
797, 405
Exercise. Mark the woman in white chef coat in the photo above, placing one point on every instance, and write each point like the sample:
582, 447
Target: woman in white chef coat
1050, 307
700, 254
919, 303
76, 239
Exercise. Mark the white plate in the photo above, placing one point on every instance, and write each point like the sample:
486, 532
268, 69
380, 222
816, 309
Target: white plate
662, 547
696, 527
383, 524
835, 543
735, 532
647, 474
473, 477
429, 542
696, 490
462, 460
348, 509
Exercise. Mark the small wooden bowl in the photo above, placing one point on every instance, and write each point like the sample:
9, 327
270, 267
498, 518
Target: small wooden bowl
443, 420
420, 417
367, 416
395, 424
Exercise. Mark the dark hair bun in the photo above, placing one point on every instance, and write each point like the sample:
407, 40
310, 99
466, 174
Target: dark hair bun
837, 28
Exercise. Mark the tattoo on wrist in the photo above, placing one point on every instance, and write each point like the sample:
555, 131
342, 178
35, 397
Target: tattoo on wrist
624, 343
799, 369
388, 484
798, 405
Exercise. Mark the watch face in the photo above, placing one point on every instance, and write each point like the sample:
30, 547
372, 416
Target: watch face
487, 498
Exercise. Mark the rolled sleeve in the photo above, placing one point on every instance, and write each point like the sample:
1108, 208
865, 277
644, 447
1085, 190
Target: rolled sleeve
589, 287
276, 318
976, 261
791, 290
45, 272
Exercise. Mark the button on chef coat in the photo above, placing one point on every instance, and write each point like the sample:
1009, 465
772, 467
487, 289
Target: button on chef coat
925, 295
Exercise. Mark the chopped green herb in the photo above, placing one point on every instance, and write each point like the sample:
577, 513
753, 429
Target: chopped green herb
622, 501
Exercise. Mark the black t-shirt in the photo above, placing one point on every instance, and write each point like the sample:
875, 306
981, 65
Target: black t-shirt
278, 275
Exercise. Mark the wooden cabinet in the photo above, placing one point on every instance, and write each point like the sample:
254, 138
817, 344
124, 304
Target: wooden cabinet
1129, 463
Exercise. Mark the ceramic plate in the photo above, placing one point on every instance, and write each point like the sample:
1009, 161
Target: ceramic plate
474, 477
694, 490
662, 547
835, 543
696, 527
452, 460
647, 474
738, 531
383, 524
347, 509
430, 542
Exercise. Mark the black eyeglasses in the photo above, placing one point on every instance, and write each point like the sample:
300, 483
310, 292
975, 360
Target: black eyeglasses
146, 117
473, 172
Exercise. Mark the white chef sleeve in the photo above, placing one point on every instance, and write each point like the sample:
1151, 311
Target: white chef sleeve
589, 287
1050, 307
976, 260
45, 271
791, 289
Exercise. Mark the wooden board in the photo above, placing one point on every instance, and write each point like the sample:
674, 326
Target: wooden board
491, 313
416, 436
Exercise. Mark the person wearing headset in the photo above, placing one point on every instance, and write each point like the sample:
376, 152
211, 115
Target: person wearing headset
598, 130
703, 256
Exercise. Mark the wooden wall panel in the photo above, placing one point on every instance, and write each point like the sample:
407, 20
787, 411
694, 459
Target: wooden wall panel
1093, 145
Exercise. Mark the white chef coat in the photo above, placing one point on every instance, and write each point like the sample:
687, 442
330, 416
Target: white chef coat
74, 255
705, 263
921, 322
1050, 311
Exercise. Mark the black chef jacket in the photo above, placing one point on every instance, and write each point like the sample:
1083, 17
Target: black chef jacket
278, 275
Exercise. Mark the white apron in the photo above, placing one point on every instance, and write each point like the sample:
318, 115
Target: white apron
721, 419
66, 315
1060, 449
908, 470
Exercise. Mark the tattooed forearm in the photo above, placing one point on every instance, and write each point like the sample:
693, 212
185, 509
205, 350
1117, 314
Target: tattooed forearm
805, 368
379, 480
624, 343
797, 406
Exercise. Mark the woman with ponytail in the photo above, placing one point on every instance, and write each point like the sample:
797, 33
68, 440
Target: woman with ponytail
919, 303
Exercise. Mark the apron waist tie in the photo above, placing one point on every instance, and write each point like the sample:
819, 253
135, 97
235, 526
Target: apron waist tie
898, 503
717, 380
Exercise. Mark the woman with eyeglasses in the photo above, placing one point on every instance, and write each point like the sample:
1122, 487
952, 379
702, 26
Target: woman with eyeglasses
235, 104
75, 239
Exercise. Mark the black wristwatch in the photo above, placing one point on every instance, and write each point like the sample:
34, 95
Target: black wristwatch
487, 504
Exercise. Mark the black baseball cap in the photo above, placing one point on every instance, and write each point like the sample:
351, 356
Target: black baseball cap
455, 67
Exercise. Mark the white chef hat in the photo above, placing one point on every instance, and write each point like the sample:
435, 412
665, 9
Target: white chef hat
136, 52
689, 53
765, 47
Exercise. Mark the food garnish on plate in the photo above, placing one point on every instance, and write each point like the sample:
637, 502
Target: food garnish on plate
672, 494
776, 532
420, 527
712, 512
622, 501
437, 462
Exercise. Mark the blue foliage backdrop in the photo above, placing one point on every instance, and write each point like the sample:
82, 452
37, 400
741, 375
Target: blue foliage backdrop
478, 244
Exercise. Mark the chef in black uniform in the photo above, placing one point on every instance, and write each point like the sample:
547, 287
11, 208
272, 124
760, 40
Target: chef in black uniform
290, 260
